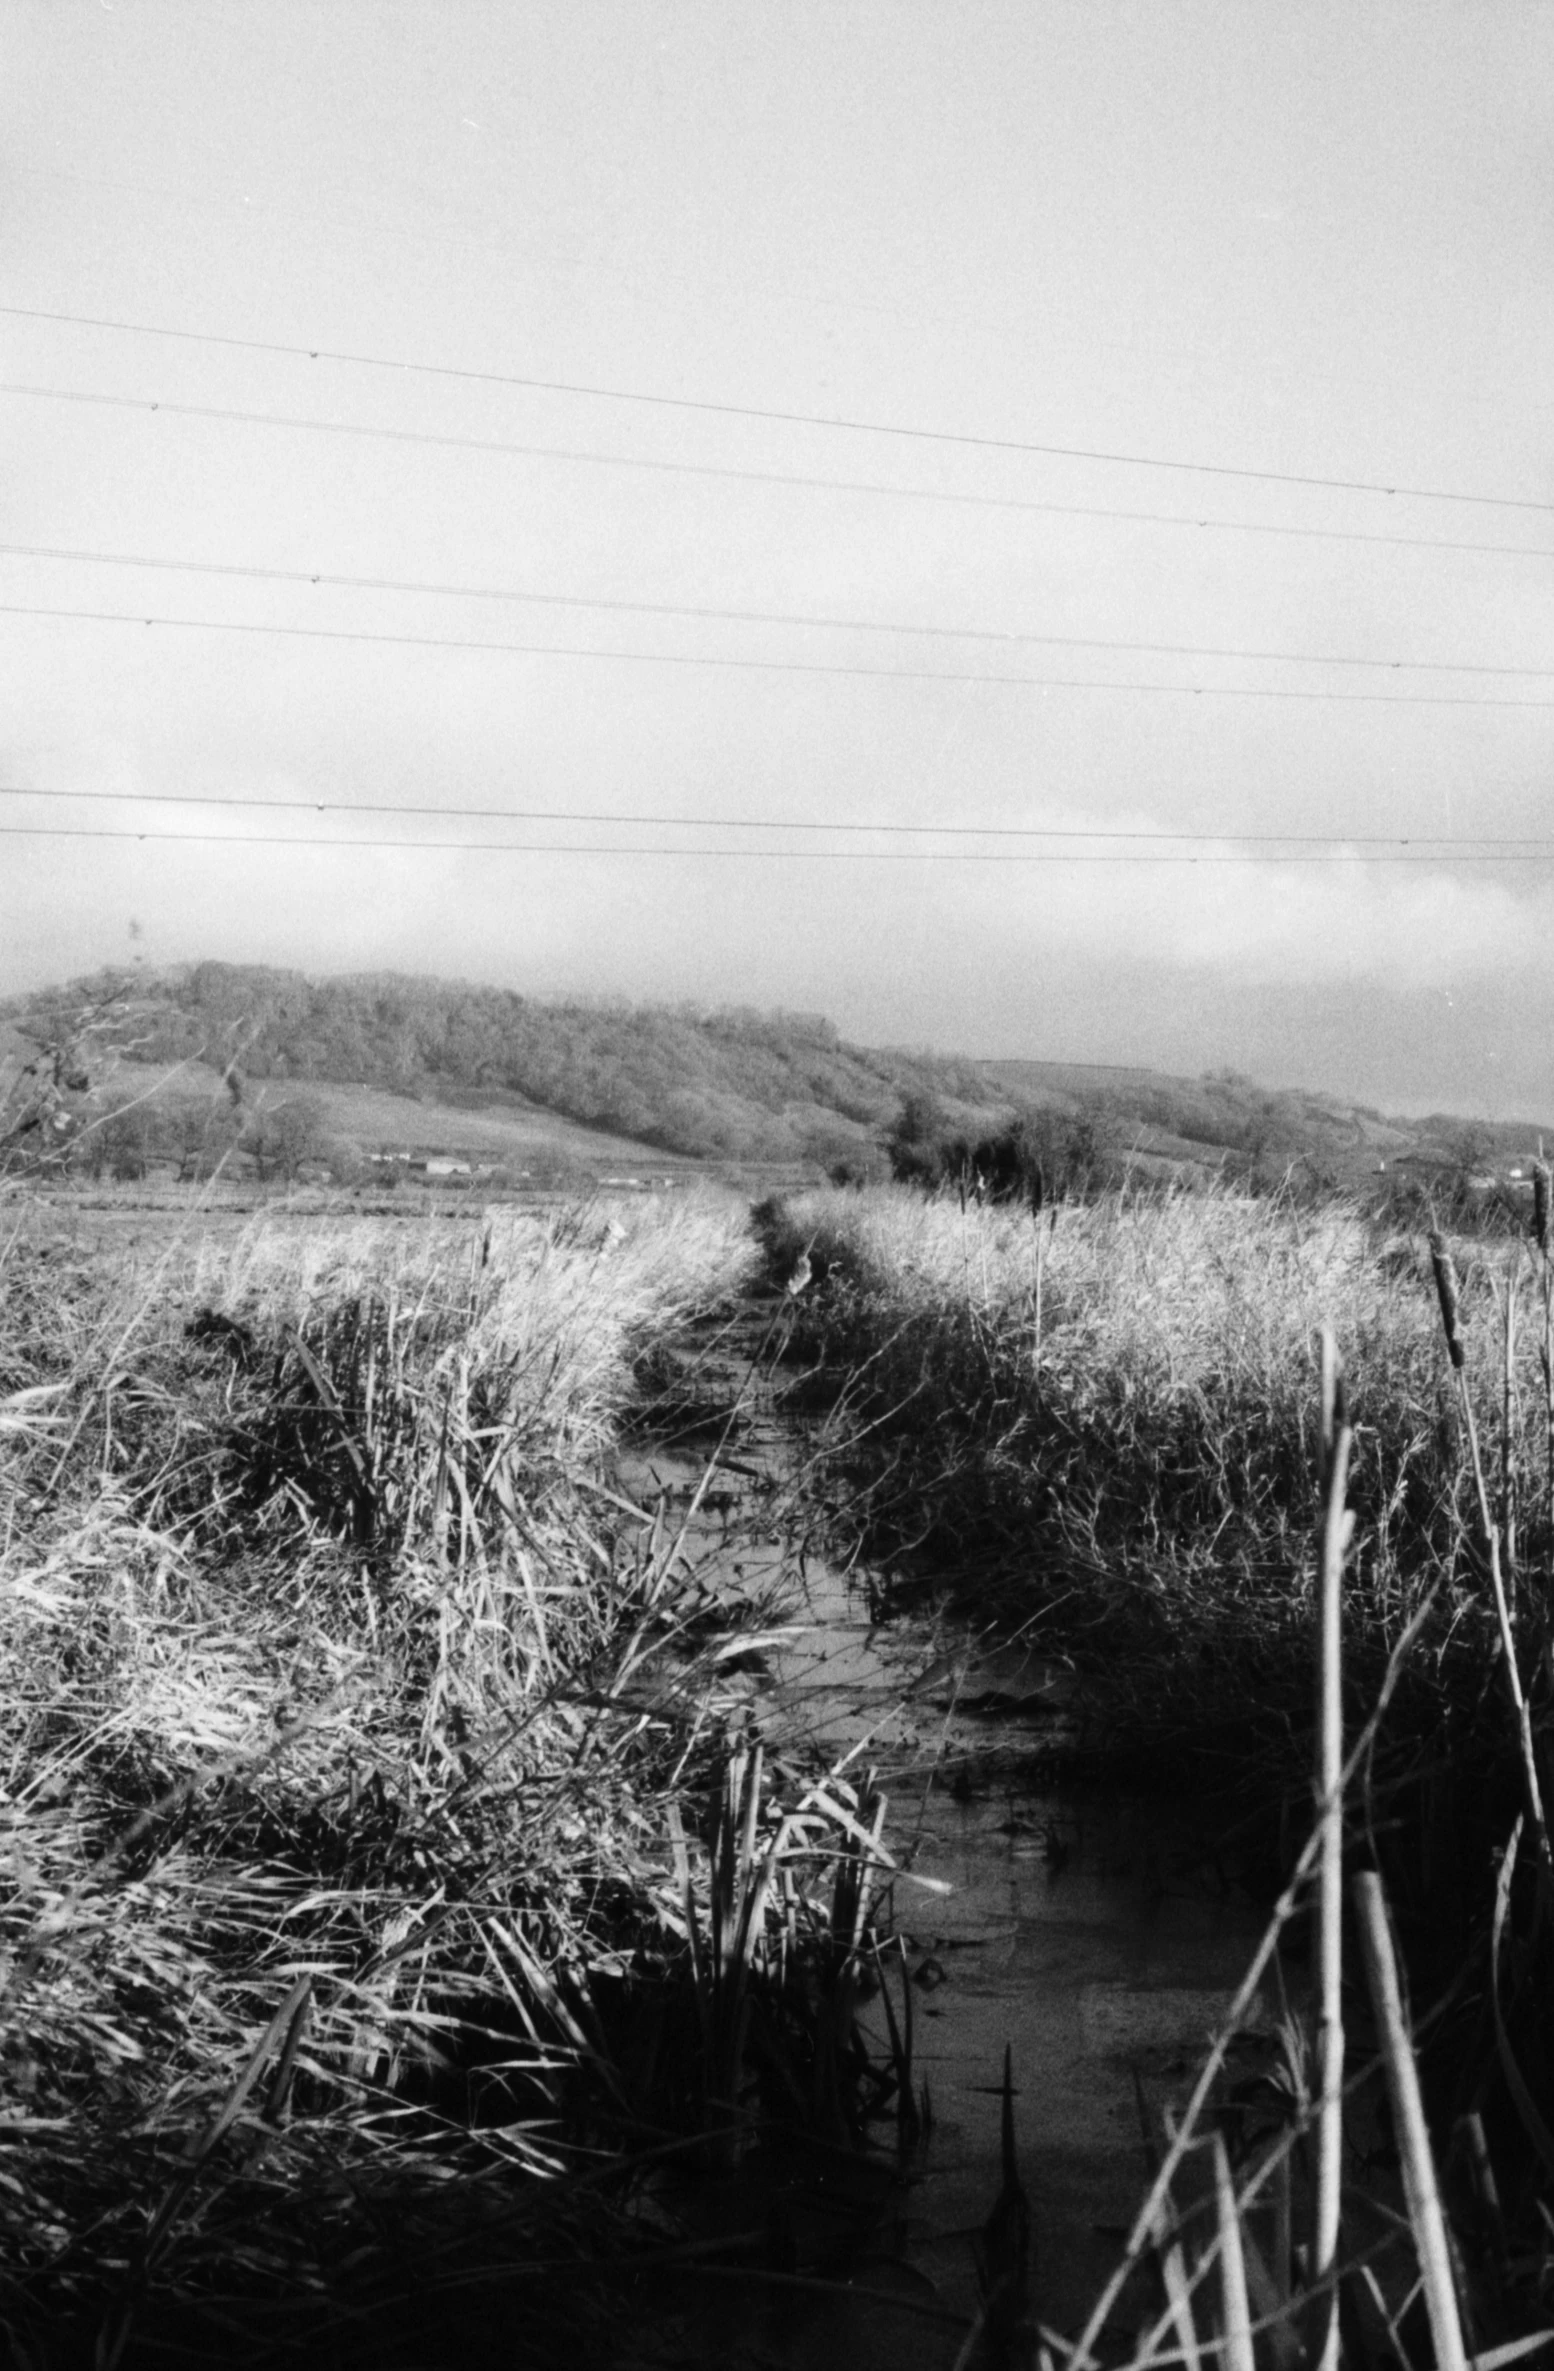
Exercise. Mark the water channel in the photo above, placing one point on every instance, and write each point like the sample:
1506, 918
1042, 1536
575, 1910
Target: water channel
1099, 1935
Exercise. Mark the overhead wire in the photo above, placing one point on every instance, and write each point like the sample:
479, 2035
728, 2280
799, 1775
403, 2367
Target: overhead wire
704, 406
1437, 842
809, 667
709, 612
651, 465
1021, 857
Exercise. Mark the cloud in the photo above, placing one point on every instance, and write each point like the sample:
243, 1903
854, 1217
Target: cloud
1298, 923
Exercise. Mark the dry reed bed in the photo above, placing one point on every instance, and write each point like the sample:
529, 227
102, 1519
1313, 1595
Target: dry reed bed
1104, 1423
1118, 1427
318, 1791
329, 1813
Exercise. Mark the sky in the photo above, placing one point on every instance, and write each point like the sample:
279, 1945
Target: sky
834, 484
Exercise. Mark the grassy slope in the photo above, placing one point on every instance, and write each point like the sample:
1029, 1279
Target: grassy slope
371, 1119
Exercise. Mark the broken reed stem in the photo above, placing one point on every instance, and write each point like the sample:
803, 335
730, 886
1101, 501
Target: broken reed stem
1236, 2351
1447, 1291
1413, 2138
1337, 1528
1177, 2289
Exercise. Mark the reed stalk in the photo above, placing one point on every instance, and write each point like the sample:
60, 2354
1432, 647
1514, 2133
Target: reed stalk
1508, 1431
1543, 1238
1337, 1528
1447, 1291
1177, 2289
1408, 2118
1083, 2353
1040, 1268
1236, 2349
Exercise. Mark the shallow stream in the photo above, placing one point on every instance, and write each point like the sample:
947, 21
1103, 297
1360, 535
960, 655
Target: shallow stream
1099, 1935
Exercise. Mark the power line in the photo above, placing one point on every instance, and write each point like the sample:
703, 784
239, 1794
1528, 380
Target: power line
767, 477
740, 411
45, 831
1438, 843
661, 658
705, 613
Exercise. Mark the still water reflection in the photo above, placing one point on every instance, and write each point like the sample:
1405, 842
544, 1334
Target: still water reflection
1098, 1935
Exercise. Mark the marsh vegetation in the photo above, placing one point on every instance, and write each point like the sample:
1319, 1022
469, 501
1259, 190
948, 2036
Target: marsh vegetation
406, 1908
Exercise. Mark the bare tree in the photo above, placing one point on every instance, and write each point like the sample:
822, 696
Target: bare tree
284, 1135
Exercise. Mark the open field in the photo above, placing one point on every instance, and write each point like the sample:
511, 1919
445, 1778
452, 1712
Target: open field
520, 1136
380, 1893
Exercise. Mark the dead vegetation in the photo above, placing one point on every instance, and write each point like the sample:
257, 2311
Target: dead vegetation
344, 1875
385, 1914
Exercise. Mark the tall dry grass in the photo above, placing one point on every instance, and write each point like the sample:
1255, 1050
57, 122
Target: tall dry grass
336, 1793
1416, 2168
323, 1802
1101, 1423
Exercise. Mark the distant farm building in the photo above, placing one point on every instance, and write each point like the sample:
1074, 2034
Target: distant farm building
434, 1167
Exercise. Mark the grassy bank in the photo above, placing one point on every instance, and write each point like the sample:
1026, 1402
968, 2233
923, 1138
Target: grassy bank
1107, 1429
1103, 1426
335, 1800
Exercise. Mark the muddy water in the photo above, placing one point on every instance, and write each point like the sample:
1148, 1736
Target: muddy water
1098, 1935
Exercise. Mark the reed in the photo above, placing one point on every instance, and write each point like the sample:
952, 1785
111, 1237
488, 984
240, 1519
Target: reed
1408, 2118
1378, 2257
1236, 2347
336, 1781
1543, 1244
1133, 1485
1490, 1532
1337, 1531
1169, 1397
374, 1901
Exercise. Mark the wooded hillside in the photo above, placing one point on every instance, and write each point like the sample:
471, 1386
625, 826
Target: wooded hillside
705, 1083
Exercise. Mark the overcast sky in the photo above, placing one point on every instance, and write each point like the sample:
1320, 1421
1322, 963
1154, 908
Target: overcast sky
1302, 241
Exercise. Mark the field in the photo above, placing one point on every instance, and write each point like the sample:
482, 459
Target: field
523, 1139
354, 1811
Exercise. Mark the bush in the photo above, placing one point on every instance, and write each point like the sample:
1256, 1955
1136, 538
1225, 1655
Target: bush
1037, 1157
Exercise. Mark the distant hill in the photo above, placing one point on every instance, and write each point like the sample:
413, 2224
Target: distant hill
1224, 1116
392, 1063
703, 1084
